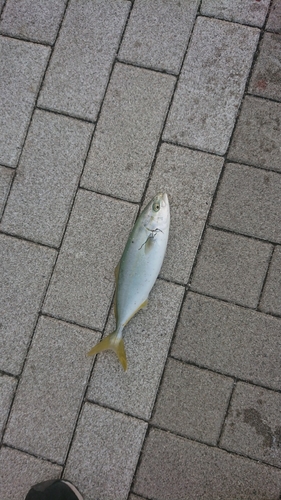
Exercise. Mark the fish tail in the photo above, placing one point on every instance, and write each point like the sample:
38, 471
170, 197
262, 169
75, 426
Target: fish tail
116, 344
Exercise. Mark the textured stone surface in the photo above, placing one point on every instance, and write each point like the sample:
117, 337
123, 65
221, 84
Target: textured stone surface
270, 301
25, 273
250, 427
22, 68
257, 135
192, 402
189, 202
266, 77
47, 178
6, 177
51, 389
158, 32
229, 339
83, 56
37, 21
231, 267
173, 467
82, 285
274, 18
251, 12
104, 453
248, 202
211, 85
19, 472
7, 388
128, 131
147, 340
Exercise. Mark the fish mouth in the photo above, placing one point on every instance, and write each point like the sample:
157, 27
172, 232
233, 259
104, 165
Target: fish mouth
163, 197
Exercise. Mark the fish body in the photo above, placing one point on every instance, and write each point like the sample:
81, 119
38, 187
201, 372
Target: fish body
137, 270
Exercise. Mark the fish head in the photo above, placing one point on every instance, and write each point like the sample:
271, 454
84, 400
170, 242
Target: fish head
157, 212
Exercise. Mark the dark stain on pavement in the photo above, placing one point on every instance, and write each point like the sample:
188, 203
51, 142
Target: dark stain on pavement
270, 438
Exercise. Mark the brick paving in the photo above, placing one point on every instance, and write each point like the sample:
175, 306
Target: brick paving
103, 104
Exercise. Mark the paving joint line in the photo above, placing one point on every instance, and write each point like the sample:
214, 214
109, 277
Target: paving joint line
265, 277
79, 187
226, 412
64, 113
27, 240
251, 165
224, 374
148, 68
33, 111
69, 322
24, 39
108, 195
31, 454
218, 228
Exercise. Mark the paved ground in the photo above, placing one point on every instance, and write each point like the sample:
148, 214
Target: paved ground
103, 104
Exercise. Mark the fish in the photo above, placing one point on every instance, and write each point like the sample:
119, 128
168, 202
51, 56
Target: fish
137, 271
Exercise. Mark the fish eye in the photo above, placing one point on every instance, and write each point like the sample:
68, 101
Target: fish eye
156, 206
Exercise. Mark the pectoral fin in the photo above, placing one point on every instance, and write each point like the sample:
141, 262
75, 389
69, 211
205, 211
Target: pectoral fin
113, 343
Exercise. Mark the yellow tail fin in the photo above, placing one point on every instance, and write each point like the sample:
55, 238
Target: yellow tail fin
115, 344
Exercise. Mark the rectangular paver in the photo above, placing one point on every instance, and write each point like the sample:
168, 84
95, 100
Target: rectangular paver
51, 389
257, 136
250, 427
47, 177
190, 179
231, 267
147, 340
22, 68
82, 284
266, 77
78, 73
251, 12
229, 339
173, 467
6, 177
128, 131
270, 301
211, 85
19, 472
158, 32
37, 21
274, 18
192, 401
26, 269
104, 453
249, 202
7, 388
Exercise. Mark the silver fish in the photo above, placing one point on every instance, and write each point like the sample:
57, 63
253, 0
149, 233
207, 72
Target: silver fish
137, 270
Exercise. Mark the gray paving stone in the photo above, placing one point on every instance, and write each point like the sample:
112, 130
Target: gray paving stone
147, 341
6, 177
229, 339
266, 77
47, 177
231, 267
173, 467
158, 32
104, 453
26, 269
19, 471
78, 73
249, 202
270, 301
253, 424
22, 68
128, 131
82, 285
251, 12
51, 389
257, 135
274, 18
135, 497
7, 388
190, 178
192, 401
37, 21
211, 85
